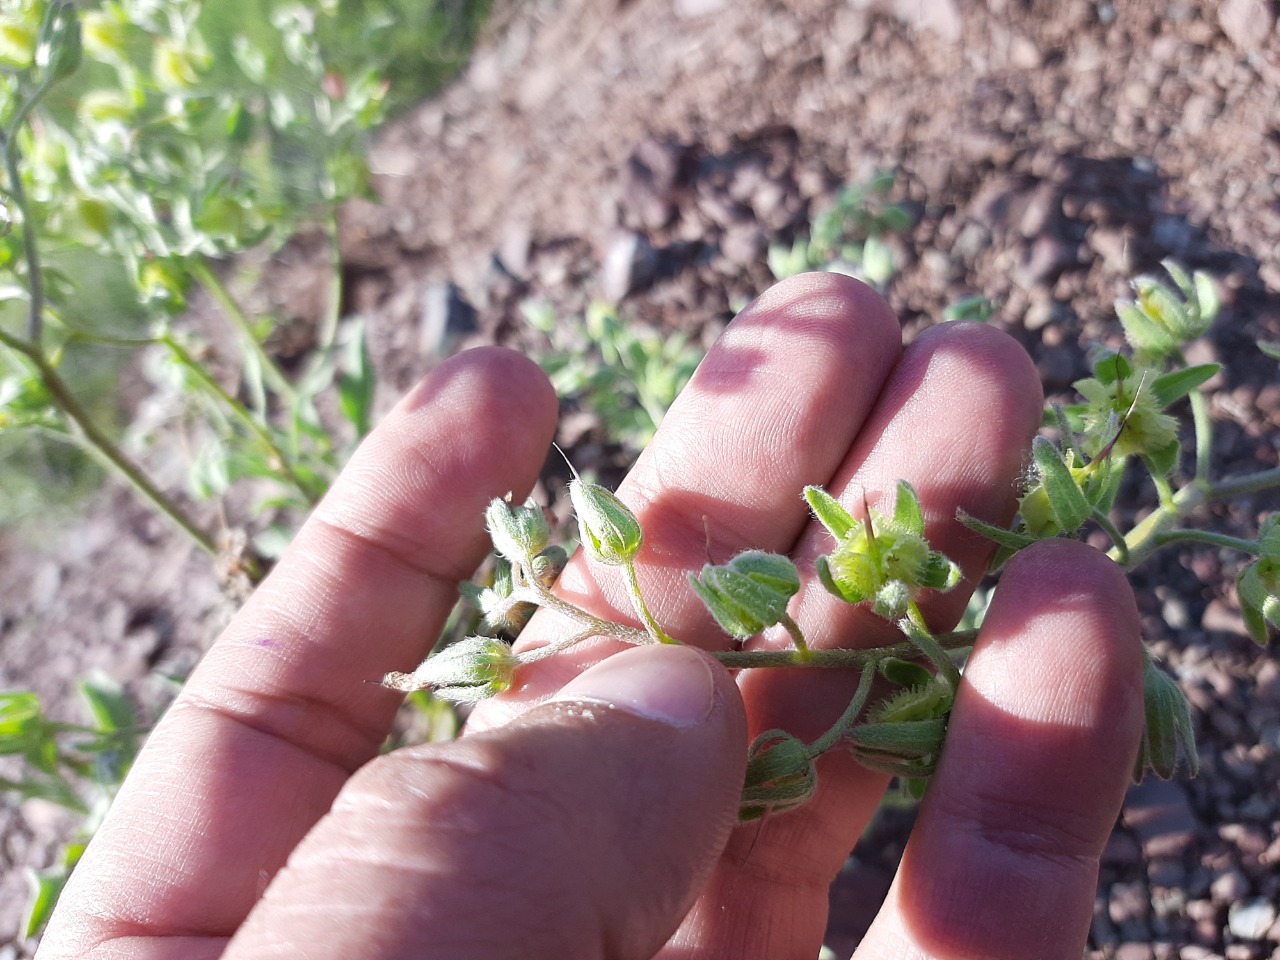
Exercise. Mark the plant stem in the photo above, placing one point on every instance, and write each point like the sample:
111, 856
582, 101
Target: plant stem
860, 697
1251, 547
216, 289
915, 627
797, 636
534, 592
105, 449
641, 608
241, 413
1148, 536
837, 659
35, 276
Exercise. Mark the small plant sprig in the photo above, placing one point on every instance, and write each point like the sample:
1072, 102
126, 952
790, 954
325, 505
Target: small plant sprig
143, 142
885, 562
75, 766
848, 237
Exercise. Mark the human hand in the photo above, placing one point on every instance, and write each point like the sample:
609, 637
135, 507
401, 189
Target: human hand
599, 824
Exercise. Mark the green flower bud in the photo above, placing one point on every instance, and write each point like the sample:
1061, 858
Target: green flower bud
1168, 730
17, 42
470, 670
918, 740
749, 593
885, 560
780, 776
1258, 587
177, 68
609, 531
518, 533
1125, 415
549, 564
1159, 322
103, 36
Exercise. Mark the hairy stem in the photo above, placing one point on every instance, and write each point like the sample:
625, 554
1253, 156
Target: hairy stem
851, 712
641, 608
106, 449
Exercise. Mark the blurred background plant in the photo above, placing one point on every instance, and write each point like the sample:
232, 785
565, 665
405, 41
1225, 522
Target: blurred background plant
625, 374
147, 143
849, 237
75, 766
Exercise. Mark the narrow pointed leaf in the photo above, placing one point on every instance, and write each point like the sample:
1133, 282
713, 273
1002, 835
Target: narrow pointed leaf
1176, 385
1111, 366
829, 512
906, 510
1164, 461
1066, 499
1009, 539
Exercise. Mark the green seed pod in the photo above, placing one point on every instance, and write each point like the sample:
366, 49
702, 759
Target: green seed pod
780, 776
517, 533
1258, 587
749, 593
1168, 730
470, 670
609, 531
899, 740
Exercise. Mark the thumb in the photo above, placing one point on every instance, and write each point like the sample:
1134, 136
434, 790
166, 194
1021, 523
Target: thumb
584, 829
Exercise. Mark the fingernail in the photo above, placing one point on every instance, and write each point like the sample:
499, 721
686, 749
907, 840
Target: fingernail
669, 684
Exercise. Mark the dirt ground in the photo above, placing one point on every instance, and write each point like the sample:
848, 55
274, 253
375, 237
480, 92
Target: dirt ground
648, 152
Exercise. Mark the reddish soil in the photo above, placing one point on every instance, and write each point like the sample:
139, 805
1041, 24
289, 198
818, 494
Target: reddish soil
649, 151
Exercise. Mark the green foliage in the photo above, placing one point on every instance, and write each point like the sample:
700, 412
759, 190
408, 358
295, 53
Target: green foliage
77, 766
626, 375
849, 237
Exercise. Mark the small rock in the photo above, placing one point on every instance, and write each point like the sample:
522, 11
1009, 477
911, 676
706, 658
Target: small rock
1250, 919
1024, 54
1159, 814
1134, 951
742, 244
446, 318
628, 265
698, 8
1044, 262
1246, 23
1231, 887
1128, 902
1218, 617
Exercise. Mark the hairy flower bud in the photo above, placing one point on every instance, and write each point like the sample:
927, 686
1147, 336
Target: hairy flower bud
884, 559
1258, 587
470, 670
749, 593
1168, 730
780, 776
610, 532
517, 533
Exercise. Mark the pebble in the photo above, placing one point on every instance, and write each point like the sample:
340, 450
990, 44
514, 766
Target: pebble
1246, 23
1231, 887
1250, 919
1128, 902
1159, 814
1134, 951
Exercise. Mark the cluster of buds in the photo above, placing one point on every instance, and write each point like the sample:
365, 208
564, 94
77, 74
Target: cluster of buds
781, 775
883, 559
1259, 584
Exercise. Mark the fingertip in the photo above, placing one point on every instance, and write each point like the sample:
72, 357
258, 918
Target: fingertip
1041, 742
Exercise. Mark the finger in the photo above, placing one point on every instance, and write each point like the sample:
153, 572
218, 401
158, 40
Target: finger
774, 406
954, 420
277, 716
1003, 860
583, 830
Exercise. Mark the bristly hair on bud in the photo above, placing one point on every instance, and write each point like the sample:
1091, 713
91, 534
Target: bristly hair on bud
749, 593
1168, 731
465, 672
780, 776
609, 531
518, 533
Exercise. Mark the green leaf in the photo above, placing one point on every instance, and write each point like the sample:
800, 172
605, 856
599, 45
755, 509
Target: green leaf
44, 887
111, 709
829, 512
357, 382
1206, 297
1164, 461
1269, 348
1066, 499
906, 510
1174, 386
1009, 539
1111, 366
